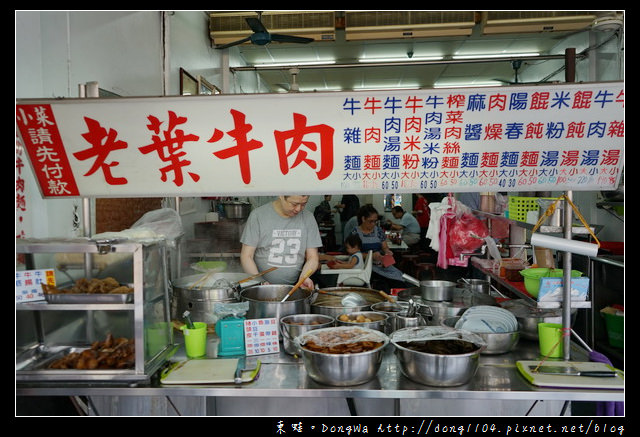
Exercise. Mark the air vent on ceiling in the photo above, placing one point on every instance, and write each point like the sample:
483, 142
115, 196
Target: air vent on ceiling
226, 27
407, 24
536, 21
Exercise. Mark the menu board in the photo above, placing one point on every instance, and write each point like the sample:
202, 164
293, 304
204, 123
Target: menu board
29, 284
261, 336
512, 138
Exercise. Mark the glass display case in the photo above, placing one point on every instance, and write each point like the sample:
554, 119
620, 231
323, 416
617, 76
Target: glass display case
125, 334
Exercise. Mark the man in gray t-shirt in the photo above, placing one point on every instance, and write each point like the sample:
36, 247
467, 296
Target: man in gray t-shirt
281, 234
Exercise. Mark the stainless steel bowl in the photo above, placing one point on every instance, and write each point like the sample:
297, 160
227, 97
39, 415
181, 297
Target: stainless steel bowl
441, 370
529, 316
342, 369
404, 320
391, 309
297, 324
436, 290
497, 342
379, 321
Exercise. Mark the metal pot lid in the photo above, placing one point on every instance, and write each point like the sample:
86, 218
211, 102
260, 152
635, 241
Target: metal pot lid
462, 298
428, 333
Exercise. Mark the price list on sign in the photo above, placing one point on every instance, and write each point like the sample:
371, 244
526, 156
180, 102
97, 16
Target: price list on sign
29, 284
513, 138
261, 336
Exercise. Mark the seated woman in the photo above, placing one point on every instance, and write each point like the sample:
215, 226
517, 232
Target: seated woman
373, 238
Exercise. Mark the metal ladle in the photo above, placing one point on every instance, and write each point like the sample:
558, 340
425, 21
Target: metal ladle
411, 310
353, 300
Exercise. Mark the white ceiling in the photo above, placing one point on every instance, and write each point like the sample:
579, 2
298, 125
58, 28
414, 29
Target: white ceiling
347, 74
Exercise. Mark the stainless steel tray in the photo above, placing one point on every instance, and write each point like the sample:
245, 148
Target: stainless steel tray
34, 365
86, 298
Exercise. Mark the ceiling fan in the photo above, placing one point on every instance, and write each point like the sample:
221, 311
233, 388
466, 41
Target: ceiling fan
516, 64
261, 36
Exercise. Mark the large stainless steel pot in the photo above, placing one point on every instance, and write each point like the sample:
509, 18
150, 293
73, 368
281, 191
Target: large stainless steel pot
236, 210
198, 294
264, 301
342, 369
436, 290
331, 304
442, 370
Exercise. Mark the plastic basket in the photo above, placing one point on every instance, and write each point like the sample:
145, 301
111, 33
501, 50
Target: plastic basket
519, 206
615, 329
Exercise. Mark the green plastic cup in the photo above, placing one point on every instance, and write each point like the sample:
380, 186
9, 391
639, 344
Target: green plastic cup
550, 338
195, 340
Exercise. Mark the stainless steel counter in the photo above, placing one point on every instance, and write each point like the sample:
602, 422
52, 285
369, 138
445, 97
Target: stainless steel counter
284, 376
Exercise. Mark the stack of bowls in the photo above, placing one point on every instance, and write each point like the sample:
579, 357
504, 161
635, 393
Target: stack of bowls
529, 316
498, 327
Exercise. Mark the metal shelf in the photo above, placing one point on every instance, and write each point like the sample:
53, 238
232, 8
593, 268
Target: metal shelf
526, 297
578, 230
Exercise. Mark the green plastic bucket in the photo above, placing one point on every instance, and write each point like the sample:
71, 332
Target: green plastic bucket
615, 329
532, 277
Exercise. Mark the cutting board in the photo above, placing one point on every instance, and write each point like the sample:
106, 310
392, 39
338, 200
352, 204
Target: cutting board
206, 371
564, 381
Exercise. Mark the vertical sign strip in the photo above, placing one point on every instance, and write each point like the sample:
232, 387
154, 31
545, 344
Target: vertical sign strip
45, 148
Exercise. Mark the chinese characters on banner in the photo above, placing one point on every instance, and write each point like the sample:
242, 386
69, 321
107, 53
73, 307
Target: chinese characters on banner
520, 138
21, 193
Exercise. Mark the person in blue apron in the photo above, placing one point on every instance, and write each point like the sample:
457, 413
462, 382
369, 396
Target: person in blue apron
374, 238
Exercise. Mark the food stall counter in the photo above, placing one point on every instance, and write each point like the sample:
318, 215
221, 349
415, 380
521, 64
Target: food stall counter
283, 375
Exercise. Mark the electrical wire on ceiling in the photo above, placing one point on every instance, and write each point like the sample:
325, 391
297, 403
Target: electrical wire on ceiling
584, 54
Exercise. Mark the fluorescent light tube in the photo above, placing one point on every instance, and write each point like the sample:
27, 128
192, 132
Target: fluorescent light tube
497, 55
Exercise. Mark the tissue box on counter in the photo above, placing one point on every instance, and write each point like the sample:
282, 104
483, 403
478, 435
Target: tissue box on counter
551, 289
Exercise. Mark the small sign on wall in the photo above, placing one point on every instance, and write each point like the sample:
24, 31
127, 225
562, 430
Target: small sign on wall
261, 336
29, 284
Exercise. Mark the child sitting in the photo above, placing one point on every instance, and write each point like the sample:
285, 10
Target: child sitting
353, 247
